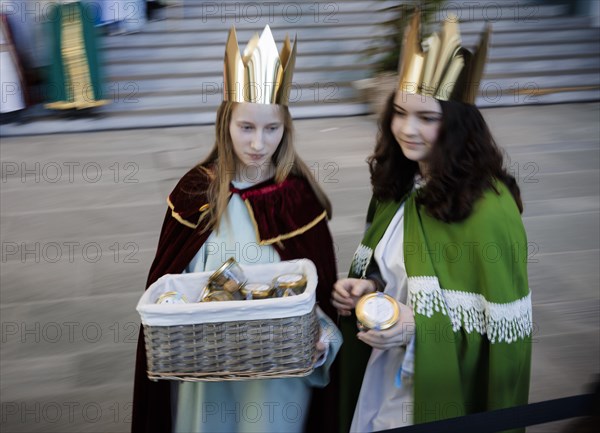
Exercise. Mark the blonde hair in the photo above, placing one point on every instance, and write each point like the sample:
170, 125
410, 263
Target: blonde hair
222, 162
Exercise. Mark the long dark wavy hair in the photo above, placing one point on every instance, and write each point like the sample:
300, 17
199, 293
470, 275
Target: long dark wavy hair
463, 163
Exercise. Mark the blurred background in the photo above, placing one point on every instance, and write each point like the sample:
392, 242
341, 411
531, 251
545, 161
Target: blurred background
106, 104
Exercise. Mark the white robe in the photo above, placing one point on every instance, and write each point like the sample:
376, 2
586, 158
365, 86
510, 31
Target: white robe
382, 404
260, 405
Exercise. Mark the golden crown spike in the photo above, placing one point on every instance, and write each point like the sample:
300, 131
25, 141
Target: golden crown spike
262, 74
439, 66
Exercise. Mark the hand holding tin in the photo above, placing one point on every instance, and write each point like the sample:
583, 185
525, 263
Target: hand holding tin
347, 291
397, 335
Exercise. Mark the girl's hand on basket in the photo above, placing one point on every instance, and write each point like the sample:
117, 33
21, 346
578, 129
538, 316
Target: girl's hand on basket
398, 335
347, 291
322, 347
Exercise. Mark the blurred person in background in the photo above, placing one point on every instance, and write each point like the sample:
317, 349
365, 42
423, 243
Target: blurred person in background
13, 91
446, 242
252, 190
25, 50
75, 75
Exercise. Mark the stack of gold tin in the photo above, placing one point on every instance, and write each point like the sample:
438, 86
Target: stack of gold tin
289, 285
257, 291
225, 283
228, 283
172, 297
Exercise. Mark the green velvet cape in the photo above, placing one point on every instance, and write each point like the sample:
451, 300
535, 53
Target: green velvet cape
468, 288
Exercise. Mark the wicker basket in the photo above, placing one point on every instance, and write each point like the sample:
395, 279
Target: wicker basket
230, 340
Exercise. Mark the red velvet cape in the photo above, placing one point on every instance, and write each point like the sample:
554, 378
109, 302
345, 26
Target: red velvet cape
288, 216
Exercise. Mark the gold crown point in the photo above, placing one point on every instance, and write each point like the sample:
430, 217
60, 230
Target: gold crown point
411, 43
478, 63
267, 35
250, 47
262, 74
232, 64
231, 45
288, 60
286, 50
441, 67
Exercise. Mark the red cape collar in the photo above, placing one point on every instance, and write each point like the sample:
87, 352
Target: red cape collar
278, 211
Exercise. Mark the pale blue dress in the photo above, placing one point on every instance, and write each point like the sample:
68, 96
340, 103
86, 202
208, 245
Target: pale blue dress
261, 405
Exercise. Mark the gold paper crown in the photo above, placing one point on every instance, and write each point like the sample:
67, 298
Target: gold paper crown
444, 70
262, 75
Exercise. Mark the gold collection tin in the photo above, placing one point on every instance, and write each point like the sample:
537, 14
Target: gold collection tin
294, 282
172, 298
204, 293
377, 311
288, 292
228, 283
257, 291
228, 277
218, 295
210, 294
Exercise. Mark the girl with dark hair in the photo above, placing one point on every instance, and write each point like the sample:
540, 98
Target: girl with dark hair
461, 165
253, 199
446, 243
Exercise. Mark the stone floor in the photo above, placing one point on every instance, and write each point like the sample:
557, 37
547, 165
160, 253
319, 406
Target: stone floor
81, 215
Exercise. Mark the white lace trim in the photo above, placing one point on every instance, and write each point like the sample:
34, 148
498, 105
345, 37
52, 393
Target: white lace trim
501, 322
361, 259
